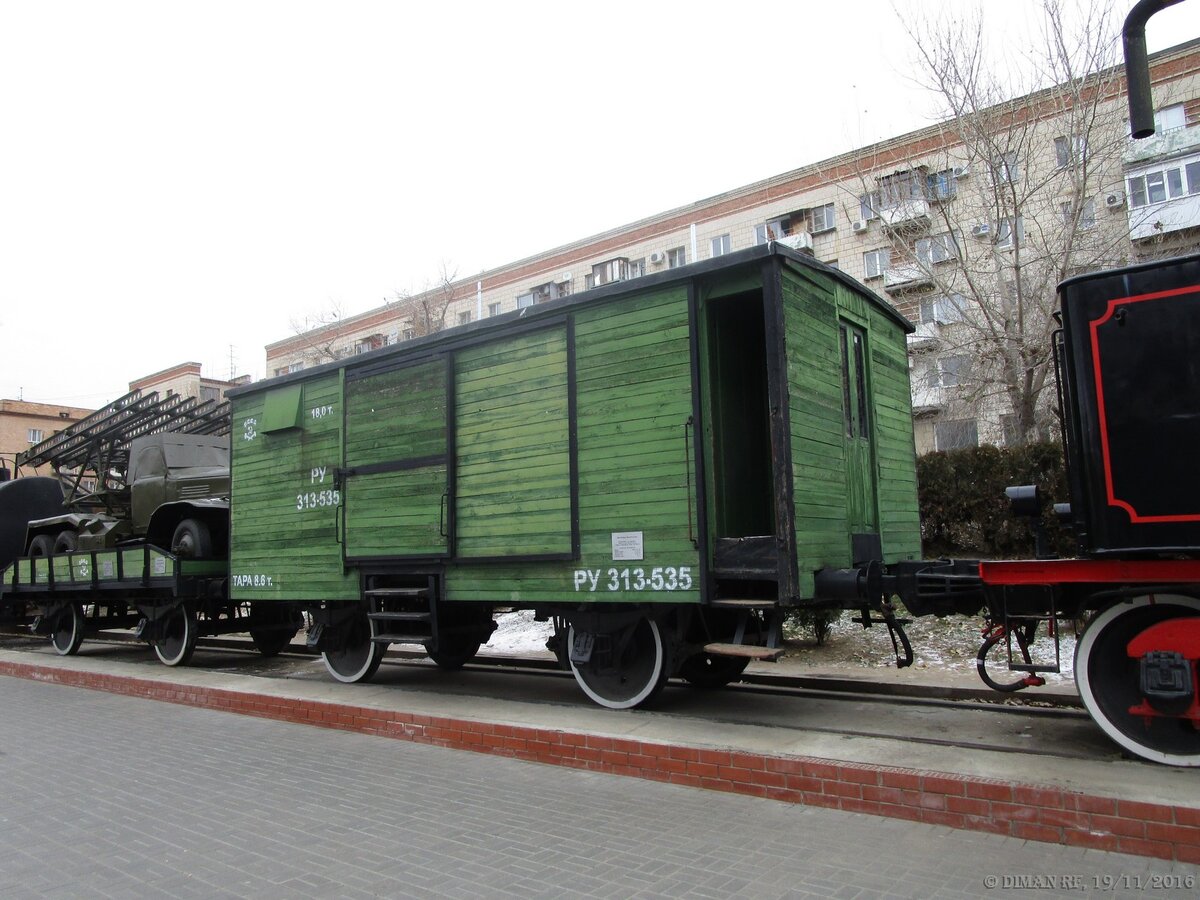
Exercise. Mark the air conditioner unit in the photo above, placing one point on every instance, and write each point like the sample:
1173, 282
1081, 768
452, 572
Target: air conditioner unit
657, 257
961, 171
981, 230
565, 276
860, 226
1115, 200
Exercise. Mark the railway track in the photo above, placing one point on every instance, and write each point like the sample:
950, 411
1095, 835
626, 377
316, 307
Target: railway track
1050, 726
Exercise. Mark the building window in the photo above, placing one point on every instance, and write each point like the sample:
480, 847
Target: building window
1163, 185
822, 218
493, 309
1006, 168
676, 258
464, 318
637, 267
936, 249
1009, 233
901, 187
942, 309
942, 185
209, 393
950, 371
721, 245
1087, 214
868, 206
1169, 118
35, 435
771, 230
525, 300
1070, 150
876, 262
955, 434
369, 343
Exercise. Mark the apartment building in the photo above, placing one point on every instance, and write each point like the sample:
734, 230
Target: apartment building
966, 238
23, 424
186, 380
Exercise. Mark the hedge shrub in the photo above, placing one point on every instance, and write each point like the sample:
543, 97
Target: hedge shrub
964, 512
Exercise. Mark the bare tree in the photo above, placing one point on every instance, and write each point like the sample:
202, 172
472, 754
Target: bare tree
1006, 201
425, 313
321, 332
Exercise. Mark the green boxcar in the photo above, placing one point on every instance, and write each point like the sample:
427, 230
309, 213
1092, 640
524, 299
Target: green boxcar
660, 466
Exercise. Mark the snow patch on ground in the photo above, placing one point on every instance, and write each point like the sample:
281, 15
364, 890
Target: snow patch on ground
518, 633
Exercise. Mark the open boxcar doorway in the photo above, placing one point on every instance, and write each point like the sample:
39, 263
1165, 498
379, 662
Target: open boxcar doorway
737, 414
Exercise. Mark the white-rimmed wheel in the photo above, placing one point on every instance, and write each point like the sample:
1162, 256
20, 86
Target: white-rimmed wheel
1110, 686
357, 657
627, 667
177, 641
68, 630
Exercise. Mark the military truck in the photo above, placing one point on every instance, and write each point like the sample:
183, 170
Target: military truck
143, 537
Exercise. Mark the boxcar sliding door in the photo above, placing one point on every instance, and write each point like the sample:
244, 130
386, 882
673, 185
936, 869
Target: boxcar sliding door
396, 470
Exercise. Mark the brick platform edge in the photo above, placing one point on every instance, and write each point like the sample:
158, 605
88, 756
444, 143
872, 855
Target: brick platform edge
1028, 811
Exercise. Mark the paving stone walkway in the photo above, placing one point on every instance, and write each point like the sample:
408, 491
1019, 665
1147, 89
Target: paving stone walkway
111, 796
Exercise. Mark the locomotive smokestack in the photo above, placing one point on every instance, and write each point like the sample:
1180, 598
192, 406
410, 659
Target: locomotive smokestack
1137, 68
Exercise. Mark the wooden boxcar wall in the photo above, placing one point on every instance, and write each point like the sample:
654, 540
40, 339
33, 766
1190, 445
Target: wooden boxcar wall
512, 456
815, 307
620, 370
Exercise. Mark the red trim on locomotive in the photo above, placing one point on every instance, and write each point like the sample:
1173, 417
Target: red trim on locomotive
1174, 635
1089, 571
1180, 636
1134, 515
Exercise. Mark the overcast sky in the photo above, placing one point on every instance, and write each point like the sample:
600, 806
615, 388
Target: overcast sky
181, 181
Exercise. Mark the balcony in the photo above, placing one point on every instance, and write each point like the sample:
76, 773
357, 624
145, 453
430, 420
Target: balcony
905, 277
926, 337
906, 214
1165, 144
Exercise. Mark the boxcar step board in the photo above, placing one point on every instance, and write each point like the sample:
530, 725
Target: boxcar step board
399, 616
745, 650
401, 639
731, 603
414, 593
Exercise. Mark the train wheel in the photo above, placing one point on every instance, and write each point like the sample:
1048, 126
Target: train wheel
178, 640
273, 626
454, 653
359, 657
1109, 680
42, 545
68, 630
627, 667
706, 671
192, 540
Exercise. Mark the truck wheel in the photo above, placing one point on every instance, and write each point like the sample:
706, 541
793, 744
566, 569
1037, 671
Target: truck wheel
66, 542
192, 540
42, 545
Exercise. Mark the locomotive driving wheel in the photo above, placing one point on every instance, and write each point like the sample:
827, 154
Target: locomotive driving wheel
356, 657
626, 667
1113, 683
68, 630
